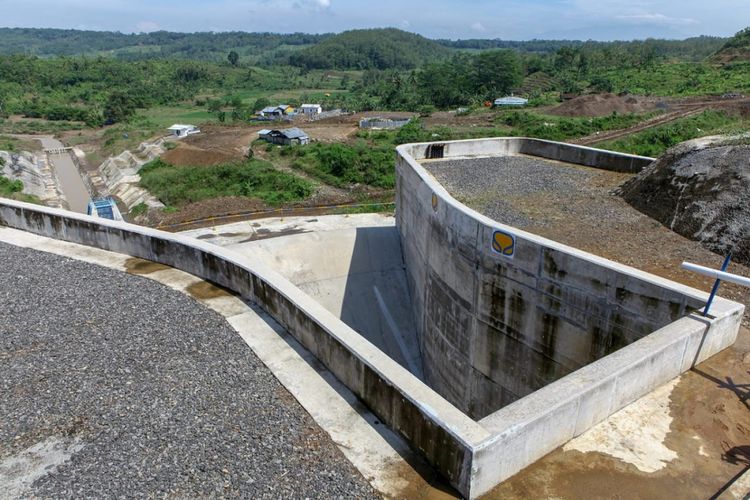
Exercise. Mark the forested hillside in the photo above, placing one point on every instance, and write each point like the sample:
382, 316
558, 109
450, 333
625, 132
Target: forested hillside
690, 49
159, 44
99, 91
358, 49
371, 49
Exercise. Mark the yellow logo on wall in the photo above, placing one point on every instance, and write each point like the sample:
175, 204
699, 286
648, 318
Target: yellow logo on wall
503, 243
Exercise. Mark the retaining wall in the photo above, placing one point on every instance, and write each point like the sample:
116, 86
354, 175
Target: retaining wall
473, 456
434, 427
545, 341
495, 328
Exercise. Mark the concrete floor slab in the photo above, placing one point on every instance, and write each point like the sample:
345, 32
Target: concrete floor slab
352, 265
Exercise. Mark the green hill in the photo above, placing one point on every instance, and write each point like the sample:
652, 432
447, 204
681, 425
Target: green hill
371, 49
737, 49
252, 47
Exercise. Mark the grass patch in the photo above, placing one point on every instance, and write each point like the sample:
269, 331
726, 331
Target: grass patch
139, 209
555, 128
118, 138
682, 79
14, 144
13, 189
655, 141
176, 186
37, 126
166, 116
344, 165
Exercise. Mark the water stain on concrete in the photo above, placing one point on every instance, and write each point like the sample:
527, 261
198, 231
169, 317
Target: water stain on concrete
142, 267
264, 234
636, 434
418, 480
203, 290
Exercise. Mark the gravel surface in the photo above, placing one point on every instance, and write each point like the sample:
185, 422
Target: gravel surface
575, 206
161, 396
495, 186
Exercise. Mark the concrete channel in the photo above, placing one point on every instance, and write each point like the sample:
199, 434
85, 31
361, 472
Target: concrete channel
484, 346
71, 183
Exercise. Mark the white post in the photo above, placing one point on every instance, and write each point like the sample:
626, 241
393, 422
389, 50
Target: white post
719, 275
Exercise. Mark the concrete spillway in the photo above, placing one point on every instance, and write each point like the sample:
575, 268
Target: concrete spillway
484, 346
356, 273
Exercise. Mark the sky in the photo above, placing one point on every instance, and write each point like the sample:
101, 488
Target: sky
505, 19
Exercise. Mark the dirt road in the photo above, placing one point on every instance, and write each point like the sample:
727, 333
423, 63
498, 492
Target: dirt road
680, 109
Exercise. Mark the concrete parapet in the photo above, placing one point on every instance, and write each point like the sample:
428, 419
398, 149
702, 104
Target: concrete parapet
537, 340
454, 271
433, 426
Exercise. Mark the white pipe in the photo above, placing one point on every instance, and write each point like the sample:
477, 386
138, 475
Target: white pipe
719, 275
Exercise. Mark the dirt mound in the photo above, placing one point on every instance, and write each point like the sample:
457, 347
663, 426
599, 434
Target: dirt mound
185, 155
603, 105
737, 49
701, 190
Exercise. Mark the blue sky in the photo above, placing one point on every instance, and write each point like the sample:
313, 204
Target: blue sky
507, 19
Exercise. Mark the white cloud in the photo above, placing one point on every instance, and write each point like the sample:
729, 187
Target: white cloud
656, 18
146, 27
323, 4
405, 24
477, 26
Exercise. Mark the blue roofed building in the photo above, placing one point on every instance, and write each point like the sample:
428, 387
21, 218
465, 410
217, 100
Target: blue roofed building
511, 101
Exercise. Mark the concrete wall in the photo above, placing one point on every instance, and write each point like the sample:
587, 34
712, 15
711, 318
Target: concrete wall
444, 435
493, 328
473, 456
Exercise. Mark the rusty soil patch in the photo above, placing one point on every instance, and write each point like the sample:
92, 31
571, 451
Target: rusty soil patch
709, 433
134, 265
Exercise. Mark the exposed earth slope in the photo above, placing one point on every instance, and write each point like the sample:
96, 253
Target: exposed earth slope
701, 190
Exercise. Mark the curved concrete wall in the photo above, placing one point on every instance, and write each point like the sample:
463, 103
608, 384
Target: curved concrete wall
473, 456
495, 328
437, 429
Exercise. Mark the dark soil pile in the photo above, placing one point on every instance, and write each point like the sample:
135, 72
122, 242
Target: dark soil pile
701, 190
604, 104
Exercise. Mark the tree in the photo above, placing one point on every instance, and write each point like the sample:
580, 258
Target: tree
261, 103
118, 108
214, 105
233, 58
496, 72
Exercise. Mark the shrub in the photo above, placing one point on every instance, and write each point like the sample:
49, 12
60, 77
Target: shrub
139, 209
344, 165
176, 186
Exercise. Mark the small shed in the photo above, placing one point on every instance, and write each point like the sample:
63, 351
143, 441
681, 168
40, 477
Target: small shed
285, 137
378, 123
511, 101
311, 109
180, 130
277, 111
105, 208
